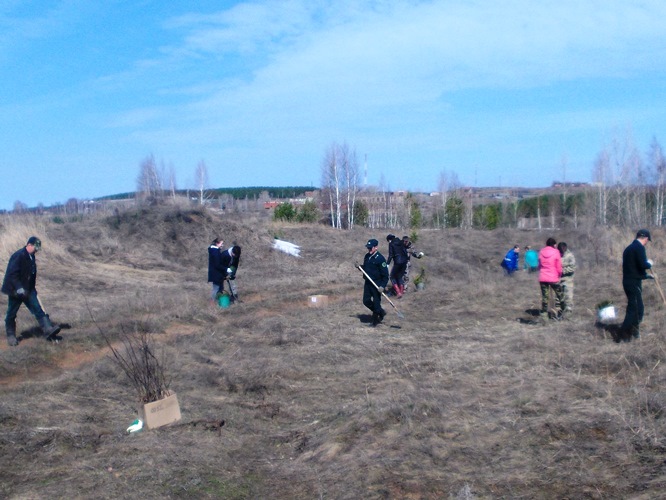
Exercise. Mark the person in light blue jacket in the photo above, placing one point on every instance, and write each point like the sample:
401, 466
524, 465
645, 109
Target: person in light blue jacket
531, 263
510, 262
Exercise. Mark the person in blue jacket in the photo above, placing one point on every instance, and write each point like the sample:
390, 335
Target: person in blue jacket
510, 262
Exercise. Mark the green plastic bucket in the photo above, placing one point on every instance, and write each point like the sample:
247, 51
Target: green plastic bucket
224, 301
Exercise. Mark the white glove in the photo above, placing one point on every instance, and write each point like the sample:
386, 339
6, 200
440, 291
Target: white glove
649, 261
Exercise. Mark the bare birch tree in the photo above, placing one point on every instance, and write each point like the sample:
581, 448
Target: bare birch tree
601, 176
340, 182
657, 168
330, 182
149, 181
201, 180
172, 181
351, 174
448, 185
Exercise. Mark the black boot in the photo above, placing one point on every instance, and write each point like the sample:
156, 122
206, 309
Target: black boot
11, 335
50, 330
375, 319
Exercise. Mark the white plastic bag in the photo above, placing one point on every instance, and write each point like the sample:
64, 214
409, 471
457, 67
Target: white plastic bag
607, 313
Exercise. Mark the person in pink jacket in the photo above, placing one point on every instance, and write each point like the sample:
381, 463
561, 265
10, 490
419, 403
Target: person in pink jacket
550, 271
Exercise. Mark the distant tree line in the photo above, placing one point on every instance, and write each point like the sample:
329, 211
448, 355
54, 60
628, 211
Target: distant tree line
627, 191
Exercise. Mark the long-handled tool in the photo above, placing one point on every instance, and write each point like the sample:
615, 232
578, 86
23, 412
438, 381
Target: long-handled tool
400, 315
656, 280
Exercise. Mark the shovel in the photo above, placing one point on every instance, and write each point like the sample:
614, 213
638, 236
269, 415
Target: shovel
656, 280
400, 315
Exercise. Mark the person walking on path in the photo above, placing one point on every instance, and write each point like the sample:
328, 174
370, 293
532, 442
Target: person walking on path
376, 268
550, 271
510, 262
531, 262
397, 255
216, 271
567, 279
19, 285
634, 270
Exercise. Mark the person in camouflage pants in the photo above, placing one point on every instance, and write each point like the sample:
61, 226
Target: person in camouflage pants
567, 279
550, 272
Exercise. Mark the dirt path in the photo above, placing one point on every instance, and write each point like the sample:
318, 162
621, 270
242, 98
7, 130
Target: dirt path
75, 356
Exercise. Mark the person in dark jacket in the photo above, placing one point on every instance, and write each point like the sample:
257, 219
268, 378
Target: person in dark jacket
216, 271
20, 286
376, 268
230, 260
398, 255
634, 270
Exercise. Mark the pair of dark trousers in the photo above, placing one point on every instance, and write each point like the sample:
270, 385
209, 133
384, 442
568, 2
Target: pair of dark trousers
398, 272
372, 298
31, 302
633, 289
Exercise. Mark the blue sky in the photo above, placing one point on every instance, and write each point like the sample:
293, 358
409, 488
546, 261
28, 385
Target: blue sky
501, 93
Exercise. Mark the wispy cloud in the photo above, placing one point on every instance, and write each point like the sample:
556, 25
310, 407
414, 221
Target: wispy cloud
455, 80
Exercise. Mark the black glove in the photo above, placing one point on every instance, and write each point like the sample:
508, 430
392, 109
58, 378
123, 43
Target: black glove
649, 277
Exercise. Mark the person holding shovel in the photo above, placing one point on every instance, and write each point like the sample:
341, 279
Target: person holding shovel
634, 270
374, 265
19, 284
230, 260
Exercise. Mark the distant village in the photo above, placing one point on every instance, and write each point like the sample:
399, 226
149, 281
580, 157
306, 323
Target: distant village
262, 201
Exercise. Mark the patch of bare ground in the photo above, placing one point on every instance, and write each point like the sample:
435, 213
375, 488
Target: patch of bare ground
466, 397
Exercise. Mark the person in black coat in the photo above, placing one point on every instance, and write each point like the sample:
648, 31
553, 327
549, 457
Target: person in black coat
216, 270
634, 270
376, 268
230, 260
398, 255
19, 285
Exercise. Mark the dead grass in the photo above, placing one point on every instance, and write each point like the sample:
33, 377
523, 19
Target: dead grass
462, 399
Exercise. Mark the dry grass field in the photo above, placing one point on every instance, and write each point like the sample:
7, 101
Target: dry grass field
466, 397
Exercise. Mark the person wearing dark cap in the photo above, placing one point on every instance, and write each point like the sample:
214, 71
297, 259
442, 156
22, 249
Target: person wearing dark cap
374, 264
634, 270
19, 284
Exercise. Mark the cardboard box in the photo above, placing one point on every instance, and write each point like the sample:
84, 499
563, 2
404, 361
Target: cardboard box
318, 301
163, 412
